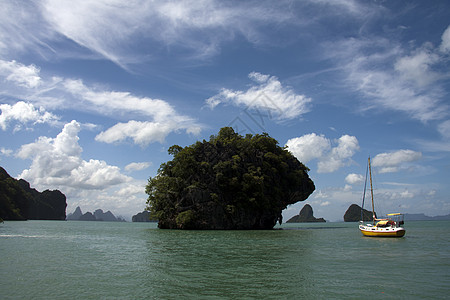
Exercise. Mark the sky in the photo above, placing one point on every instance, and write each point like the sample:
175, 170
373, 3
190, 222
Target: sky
93, 93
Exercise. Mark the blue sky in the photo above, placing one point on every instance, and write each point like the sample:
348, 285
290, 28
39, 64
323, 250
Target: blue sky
93, 94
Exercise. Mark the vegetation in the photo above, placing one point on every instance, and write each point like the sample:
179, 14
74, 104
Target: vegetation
229, 182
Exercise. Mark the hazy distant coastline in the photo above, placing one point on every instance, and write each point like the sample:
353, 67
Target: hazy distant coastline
98, 215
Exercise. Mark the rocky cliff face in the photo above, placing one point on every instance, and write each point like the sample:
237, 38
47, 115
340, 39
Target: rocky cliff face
18, 201
353, 214
306, 215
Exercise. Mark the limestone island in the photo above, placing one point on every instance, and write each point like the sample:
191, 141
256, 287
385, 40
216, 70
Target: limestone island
18, 201
305, 216
228, 182
353, 214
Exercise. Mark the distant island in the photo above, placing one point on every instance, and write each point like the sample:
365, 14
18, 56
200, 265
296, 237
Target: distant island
143, 217
228, 182
98, 215
306, 215
18, 201
353, 214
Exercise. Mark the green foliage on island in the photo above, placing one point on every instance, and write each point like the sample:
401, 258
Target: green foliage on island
228, 182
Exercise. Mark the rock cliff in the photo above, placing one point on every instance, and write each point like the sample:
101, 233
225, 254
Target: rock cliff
306, 216
18, 201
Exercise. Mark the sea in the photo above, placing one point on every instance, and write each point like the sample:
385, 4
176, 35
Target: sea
115, 260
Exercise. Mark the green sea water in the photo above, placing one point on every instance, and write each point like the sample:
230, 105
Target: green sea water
106, 260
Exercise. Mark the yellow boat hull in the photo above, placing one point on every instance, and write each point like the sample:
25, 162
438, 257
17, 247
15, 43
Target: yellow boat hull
374, 231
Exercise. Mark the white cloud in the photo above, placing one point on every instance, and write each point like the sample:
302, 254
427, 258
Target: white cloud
330, 159
131, 189
354, 178
390, 78
142, 133
394, 161
137, 166
57, 162
445, 45
111, 28
268, 95
26, 76
24, 113
23, 29
418, 66
308, 147
339, 155
5, 152
112, 102
74, 94
444, 129
406, 194
166, 119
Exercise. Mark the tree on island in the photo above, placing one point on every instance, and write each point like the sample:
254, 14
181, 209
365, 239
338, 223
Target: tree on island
228, 182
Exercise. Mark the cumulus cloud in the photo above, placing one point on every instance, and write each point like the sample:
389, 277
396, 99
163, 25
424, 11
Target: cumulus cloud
340, 155
354, 178
137, 166
309, 146
394, 161
26, 76
24, 113
330, 159
57, 162
267, 94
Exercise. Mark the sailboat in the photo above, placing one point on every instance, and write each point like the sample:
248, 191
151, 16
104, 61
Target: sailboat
391, 226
